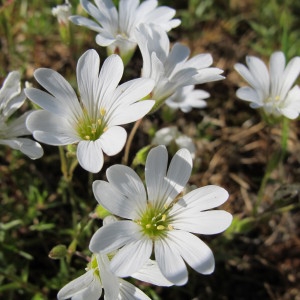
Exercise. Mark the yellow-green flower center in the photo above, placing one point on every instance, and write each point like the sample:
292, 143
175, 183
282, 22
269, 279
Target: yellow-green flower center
93, 265
91, 128
154, 222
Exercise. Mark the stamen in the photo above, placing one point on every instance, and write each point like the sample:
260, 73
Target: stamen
160, 227
148, 226
170, 227
102, 111
87, 137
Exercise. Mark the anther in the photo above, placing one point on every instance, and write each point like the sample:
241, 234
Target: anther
102, 111
170, 227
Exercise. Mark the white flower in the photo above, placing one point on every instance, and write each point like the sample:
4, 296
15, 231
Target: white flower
171, 70
159, 219
93, 122
12, 98
167, 135
271, 89
116, 28
62, 12
185, 98
98, 276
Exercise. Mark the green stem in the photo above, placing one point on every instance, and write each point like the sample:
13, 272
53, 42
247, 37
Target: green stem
275, 160
284, 137
63, 162
129, 141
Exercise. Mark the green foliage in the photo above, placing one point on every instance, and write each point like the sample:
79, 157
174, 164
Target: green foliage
276, 25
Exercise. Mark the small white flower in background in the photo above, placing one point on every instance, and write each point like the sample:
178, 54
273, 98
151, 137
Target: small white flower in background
167, 135
271, 89
93, 122
159, 219
173, 69
98, 276
11, 99
187, 98
62, 12
116, 27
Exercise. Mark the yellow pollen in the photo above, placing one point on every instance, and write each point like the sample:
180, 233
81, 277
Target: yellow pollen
164, 217
87, 137
166, 206
148, 225
102, 111
170, 227
160, 227
99, 121
105, 129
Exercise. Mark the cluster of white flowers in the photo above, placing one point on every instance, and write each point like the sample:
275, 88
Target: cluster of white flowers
158, 221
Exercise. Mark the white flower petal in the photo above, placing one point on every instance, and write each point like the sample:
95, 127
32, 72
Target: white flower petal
109, 78
113, 140
200, 199
16, 127
11, 97
289, 76
292, 104
56, 85
249, 94
87, 72
245, 73
105, 39
130, 292
277, 65
208, 222
46, 101
170, 262
127, 10
113, 236
196, 253
155, 171
90, 155
258, 68
151, 273
131, 113
117, 199
109, 281
93, 292
132, 91
132, 257
76, 286
179, 173
177, 56
29, 147
111, 199
200, 61
125, 180
83, 21
162, 16
51, 129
